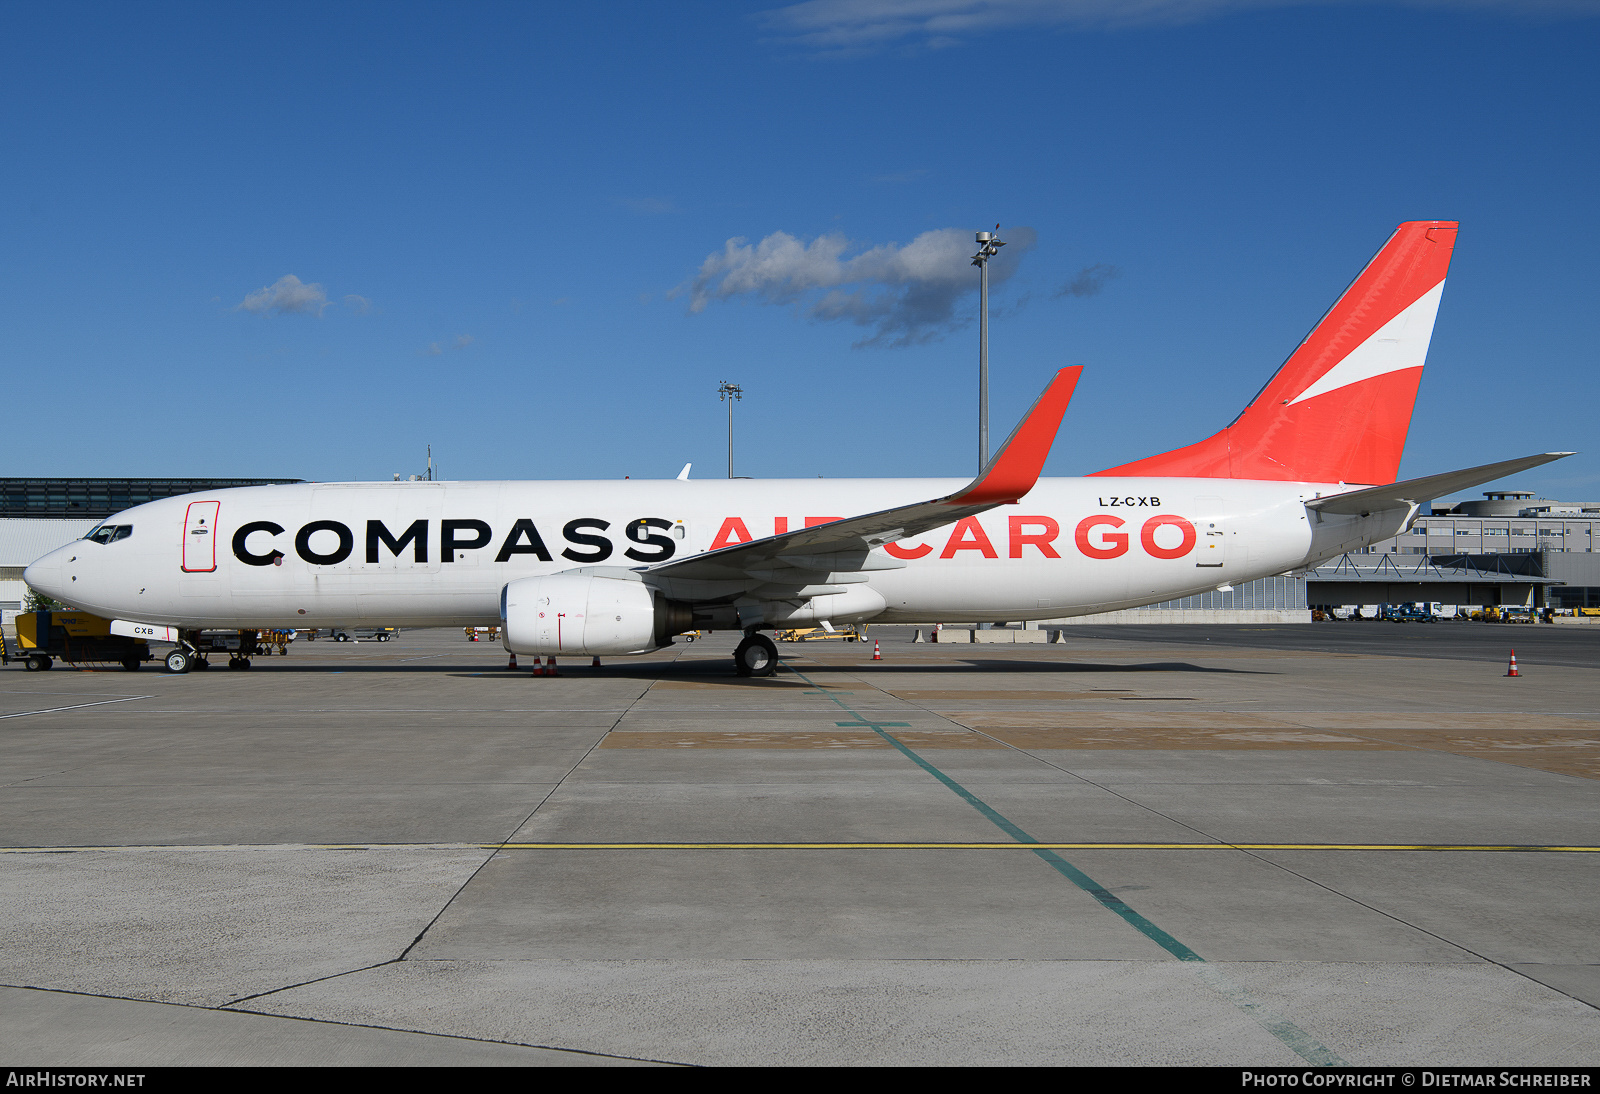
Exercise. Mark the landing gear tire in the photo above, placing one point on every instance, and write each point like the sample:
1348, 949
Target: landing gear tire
342, 637
131, 664
179, 661
200, 664
39, 663
756, 656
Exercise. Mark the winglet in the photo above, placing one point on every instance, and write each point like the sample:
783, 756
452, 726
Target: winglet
1009, 476
1014, 469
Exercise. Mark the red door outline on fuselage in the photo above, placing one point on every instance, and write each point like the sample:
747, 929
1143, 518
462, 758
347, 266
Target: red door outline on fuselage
200, 537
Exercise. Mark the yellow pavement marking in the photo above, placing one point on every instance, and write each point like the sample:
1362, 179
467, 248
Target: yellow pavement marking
1543, 848
952, 846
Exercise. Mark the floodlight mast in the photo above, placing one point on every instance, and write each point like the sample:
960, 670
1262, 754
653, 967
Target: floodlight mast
989, 245
728, 393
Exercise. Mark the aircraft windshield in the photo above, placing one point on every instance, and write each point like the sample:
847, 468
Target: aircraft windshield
109, 533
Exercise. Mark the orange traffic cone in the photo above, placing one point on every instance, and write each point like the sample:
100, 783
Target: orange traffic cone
513, 662
1512, 671
596, 663
552, 671
877, 654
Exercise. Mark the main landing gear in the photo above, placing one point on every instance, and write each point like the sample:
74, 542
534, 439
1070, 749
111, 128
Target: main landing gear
756, 656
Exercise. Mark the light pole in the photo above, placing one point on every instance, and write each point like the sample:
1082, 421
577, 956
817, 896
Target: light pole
728, 393
989, 245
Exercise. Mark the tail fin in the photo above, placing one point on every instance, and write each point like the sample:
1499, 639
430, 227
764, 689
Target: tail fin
1339, 408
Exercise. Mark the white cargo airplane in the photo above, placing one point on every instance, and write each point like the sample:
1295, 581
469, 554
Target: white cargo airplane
580, 568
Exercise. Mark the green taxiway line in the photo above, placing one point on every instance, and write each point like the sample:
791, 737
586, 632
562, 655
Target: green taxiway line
1292, 1036
1041, 846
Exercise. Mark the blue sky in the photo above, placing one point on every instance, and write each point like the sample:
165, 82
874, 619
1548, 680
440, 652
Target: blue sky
496, 219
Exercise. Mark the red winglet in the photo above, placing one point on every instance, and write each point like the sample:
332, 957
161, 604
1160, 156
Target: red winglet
1014, 469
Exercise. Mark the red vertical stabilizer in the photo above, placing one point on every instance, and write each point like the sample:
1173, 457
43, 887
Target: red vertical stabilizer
1339, 408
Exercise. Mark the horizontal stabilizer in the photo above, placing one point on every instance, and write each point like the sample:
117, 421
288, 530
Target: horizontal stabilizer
1008, 476
1400, 495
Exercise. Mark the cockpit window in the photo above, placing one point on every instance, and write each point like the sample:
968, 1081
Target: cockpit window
109, 533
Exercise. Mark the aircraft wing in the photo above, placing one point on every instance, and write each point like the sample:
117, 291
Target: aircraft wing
808, 558
1400, 495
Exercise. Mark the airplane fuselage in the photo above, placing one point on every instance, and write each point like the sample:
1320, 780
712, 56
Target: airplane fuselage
439, 553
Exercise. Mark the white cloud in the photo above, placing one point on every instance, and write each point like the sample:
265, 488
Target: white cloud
860, 25
287, 296
1088, 281
435, 349
905, 294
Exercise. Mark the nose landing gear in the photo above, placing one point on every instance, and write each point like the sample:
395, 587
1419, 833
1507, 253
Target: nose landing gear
756, 656
185, 659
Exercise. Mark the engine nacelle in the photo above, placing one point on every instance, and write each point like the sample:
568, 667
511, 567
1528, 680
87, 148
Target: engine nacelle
585, 614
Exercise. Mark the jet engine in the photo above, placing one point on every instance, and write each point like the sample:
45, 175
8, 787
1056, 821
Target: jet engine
587, 614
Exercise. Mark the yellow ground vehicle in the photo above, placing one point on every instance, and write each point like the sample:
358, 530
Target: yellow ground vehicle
74, 637
269, 642
817, 634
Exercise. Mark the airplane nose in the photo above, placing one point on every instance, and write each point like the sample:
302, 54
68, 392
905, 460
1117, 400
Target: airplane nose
44, 576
